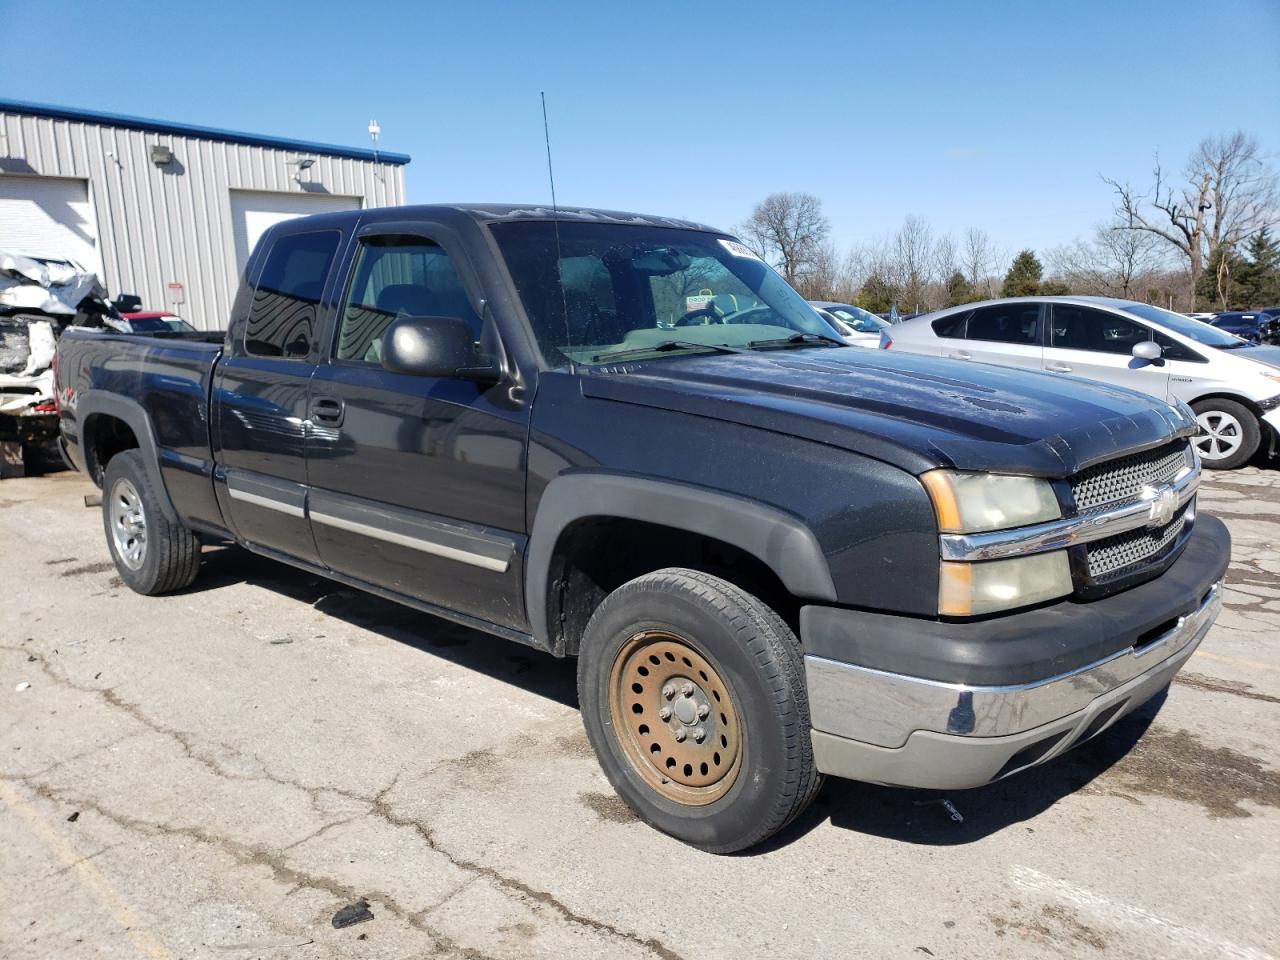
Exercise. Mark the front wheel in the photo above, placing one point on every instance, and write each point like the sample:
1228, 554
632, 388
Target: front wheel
693, 697
1229, 433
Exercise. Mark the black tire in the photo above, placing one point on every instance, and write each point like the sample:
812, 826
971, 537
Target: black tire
170, 555
759, 660
1249, 433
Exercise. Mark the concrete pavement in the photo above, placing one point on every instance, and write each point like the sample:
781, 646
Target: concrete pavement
249, 756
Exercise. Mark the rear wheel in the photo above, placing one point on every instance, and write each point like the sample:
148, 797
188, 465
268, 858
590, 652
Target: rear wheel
693, 696
1229, 433
151, 554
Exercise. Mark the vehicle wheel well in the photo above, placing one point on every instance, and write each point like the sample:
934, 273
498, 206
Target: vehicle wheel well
105, 437
596, 555
1234, 398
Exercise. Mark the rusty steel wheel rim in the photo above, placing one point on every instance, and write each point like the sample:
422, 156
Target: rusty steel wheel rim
674, 718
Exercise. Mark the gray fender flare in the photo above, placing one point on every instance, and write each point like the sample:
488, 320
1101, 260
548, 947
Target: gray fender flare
139, 421
779, 540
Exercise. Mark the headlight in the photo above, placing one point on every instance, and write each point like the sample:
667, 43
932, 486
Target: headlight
976, 502
972, 589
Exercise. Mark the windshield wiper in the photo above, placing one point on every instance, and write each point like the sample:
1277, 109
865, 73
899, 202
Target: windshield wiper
665, 346
798, 340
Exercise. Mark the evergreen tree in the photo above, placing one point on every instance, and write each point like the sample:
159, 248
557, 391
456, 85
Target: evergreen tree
1257, 280
877, 294
1218, 287
1023, 278
1054, 288
958, 290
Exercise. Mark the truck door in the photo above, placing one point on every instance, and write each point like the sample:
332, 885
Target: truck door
417, 483
260, 396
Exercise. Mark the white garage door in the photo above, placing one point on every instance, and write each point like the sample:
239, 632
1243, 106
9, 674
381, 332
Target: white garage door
252, 213
48, 217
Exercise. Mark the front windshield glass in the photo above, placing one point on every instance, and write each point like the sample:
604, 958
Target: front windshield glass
603, 288
860, 319
1200, 332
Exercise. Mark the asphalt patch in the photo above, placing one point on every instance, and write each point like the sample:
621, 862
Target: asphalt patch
102, 567
1233, 687
607, 806
1178, 765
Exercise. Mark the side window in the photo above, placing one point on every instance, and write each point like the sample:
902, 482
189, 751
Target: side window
1006, 323
1172, 350
397, 277
1080, 328
282, 317
952, 326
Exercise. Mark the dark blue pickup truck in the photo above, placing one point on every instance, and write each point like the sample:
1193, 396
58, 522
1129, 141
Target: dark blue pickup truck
626, 439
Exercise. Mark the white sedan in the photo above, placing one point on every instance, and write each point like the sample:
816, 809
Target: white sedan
857, 326
1232, 385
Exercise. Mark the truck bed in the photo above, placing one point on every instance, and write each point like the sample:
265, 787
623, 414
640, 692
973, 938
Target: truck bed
169, 376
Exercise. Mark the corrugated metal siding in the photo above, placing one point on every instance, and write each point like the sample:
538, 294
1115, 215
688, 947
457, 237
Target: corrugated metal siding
160, 225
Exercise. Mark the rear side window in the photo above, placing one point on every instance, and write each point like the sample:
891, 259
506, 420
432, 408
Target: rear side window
952, 326
282, 318
1006, 323
1080, 328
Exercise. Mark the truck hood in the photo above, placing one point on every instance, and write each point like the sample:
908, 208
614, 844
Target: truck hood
913, 411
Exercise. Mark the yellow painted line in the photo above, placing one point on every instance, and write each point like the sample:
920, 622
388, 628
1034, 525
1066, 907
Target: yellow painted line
1251, 664
88, 875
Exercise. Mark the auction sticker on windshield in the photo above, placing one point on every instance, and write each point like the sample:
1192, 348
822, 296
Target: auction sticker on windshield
738, 249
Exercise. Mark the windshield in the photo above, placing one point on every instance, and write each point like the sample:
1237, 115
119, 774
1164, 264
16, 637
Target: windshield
860, 319
1200, 332
599, 289
148, 325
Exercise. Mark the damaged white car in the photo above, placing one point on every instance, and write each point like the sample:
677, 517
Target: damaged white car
39, 297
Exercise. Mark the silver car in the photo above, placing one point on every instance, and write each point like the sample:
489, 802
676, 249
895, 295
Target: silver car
1232, 385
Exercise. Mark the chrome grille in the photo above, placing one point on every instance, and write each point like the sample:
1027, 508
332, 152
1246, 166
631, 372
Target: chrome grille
1116, 554
1120, 481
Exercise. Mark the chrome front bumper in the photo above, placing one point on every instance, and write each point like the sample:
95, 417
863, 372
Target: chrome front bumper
889, 728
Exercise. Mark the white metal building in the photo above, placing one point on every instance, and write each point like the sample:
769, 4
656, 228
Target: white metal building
166, 210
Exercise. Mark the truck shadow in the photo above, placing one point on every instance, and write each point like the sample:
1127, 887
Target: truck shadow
922, 817
524, 667
910, 816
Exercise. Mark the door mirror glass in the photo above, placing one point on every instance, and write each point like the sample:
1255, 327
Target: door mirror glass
433, 347
1147, 350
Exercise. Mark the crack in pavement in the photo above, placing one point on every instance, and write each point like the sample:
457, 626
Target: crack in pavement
249, 854
383, 810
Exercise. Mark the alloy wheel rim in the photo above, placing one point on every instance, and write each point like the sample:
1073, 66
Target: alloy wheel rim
675, 719
1221, 437
128, 524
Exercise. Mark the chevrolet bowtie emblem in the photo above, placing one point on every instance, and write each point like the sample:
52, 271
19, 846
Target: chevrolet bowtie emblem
1164, 504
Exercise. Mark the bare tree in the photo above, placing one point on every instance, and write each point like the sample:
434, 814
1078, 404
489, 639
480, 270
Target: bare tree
1228, 193
912, 260
978, 260
790, 230
1117, 262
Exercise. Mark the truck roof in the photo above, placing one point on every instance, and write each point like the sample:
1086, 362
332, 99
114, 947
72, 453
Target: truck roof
508, 212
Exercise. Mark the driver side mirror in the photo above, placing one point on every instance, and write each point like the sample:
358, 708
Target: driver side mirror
1149, 350
434, 347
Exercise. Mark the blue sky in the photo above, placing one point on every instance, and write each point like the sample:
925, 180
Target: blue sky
999, 115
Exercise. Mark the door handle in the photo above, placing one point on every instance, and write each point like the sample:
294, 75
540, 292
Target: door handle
960, 355
1058, 367
327, 410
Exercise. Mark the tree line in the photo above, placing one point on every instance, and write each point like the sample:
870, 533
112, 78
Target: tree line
1201, 240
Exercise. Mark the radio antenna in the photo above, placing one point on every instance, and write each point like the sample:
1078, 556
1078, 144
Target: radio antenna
555, 220
546, 134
